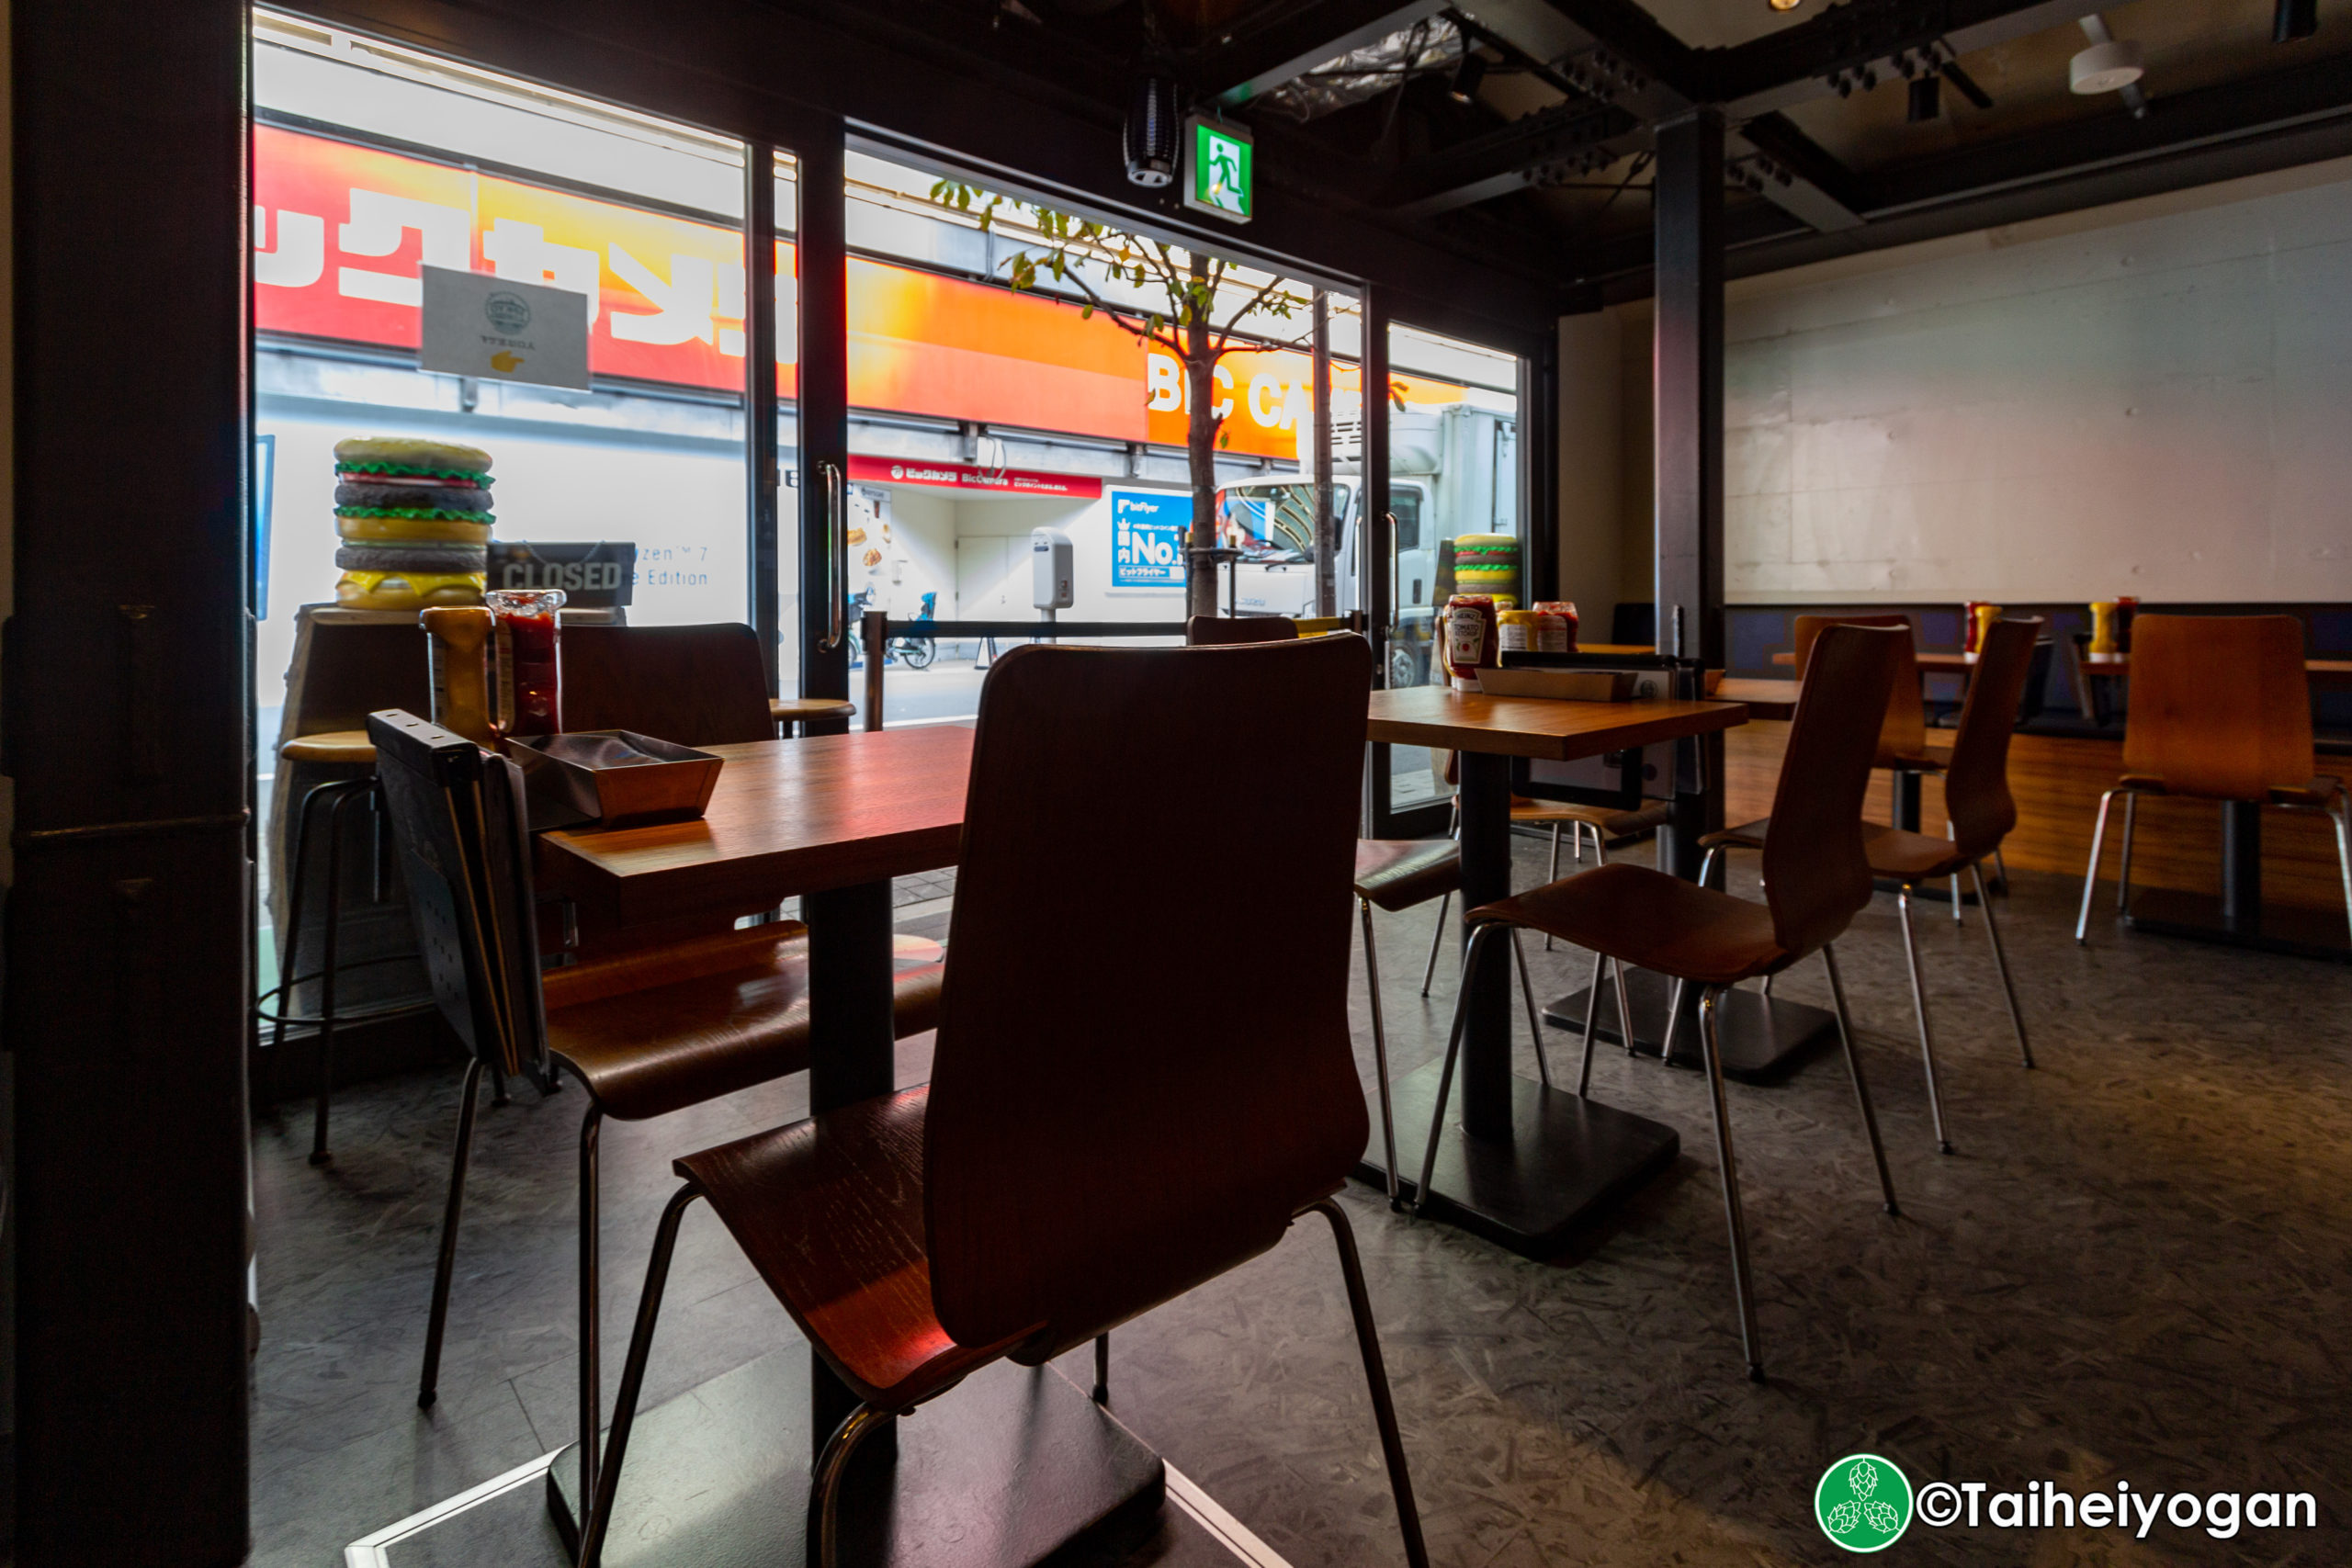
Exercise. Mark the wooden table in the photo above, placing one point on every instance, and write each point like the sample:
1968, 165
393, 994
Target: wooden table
1532, 1164
724, 1467
1762, 698
1931, 662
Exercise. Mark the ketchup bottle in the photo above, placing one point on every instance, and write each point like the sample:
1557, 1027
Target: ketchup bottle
530, 699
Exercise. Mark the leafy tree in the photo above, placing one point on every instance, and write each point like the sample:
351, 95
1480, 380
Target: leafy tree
1187, 327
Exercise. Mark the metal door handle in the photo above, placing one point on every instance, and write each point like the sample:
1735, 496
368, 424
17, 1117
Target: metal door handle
837, 529
1396, 584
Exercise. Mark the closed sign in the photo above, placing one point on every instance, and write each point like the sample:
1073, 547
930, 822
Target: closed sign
592, 576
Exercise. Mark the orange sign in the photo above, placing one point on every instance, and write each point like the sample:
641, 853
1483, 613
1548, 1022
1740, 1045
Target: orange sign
339, 230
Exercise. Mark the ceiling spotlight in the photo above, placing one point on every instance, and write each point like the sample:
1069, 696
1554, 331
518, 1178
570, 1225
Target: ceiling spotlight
2296, 18
2105, 68
1785, 4
1927, 99
1466, 77
1149, 137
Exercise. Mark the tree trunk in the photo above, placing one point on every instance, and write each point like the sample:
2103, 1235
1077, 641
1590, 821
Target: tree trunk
1200, 446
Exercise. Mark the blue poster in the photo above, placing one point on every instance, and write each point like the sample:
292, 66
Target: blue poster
1148, 529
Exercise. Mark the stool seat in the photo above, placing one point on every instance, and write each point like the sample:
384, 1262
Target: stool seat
350, 747
1397, 873
792, 710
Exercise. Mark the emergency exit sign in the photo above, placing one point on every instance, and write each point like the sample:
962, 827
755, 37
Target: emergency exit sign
1218, 178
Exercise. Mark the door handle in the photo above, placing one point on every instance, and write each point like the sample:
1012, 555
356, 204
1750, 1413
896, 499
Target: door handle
1396, 584
837, 551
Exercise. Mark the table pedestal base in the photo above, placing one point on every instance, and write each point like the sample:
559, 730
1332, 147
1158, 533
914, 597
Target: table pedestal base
1763, 1039
1567, 1162
2302, 933
1002, 1471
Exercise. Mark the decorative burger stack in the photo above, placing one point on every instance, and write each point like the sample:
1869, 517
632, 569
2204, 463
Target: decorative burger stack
414, 520
1488, 563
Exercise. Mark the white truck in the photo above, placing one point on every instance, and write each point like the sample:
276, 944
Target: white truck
1450, 472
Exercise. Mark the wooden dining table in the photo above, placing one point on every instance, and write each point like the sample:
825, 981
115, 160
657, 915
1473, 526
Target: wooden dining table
1533, 1163
1017, 1461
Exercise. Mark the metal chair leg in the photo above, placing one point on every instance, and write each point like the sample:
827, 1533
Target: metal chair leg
1591, 1016
1380, 1052
318, 1111
823, 1550
1554, 874
1949, 832
1919, 1003
1673, 1024
1101, 1390
2001, 962
428, 1383
2123, 880
1854, 1067
1478, 940
1624, 1006
1437, 942
1707, 866
1375, 1377
1767, 986
1743, 1288
2090, 875
591, 1385
1534, 1019
2001, 870
2342, 819
292, 964
641, 1343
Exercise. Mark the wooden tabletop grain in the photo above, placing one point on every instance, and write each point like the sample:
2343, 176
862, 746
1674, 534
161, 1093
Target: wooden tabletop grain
786, 818
1536, 726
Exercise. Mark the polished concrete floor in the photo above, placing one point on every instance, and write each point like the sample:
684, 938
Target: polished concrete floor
2133, 1270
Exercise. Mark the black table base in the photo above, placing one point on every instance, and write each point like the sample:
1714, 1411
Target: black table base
1566, 1162
2301, 934
1003, 1471
1764, 1039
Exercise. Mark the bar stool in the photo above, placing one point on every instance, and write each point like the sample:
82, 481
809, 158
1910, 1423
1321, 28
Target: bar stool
1052, 1181
643, 1035
1815, 879
792, 713
2221, 710
1982, 811
327, 803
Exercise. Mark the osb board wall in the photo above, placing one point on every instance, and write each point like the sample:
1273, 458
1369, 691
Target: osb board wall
2057, 781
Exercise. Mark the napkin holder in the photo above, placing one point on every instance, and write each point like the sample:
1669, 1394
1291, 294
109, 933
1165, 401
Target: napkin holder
616, 778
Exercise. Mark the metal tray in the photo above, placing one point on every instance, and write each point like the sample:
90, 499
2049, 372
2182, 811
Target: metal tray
617, 777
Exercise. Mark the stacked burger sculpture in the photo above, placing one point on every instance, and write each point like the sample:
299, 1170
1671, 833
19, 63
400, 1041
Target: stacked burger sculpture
414, 520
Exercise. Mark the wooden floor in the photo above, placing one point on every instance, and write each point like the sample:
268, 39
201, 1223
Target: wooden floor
2057, 781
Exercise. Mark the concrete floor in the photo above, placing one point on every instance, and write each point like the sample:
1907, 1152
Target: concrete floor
2133, 1270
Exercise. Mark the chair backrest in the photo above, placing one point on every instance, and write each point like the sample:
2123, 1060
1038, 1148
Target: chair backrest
1118, 1111
345, 669
695, 685
1218, 631
1904, 731
457, 816
1816, 875
1976, 781
2221, 705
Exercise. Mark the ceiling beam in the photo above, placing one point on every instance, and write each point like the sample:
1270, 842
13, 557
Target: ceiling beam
1794, 65
1262, 53
1513, 158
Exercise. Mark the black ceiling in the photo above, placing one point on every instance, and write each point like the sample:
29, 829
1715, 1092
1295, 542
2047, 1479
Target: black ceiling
1542, 173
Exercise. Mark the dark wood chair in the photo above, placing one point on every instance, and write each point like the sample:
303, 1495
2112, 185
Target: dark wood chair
1982, 812
643, 1035
1815, 879
696, 685
2221, 710
1058, 1177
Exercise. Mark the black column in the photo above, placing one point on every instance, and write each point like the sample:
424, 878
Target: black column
127, 736
764, 476
1689, 356
824, 408
1689, 389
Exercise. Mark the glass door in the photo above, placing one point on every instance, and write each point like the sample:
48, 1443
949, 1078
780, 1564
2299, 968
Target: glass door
1455, 523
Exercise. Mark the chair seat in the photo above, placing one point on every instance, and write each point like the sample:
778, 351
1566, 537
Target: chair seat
1901, 856
349, 747
1614, 822
797, 708
2317, 795
1652, 921
650, 1035
1746, 836
829, 1211
1911, 762
1397, 873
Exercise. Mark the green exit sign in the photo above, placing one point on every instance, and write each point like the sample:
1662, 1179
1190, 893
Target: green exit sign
1219, 179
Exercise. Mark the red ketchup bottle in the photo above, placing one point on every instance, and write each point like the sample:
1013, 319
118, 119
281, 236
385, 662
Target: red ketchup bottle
530, 698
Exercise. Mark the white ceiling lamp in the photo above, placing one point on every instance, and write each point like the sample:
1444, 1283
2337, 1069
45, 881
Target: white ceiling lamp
2109, 65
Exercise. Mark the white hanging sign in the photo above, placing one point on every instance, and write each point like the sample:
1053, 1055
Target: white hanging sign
480, 325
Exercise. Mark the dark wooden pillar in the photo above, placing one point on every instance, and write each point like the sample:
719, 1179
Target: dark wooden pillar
1688, 360
128, 739
1690, 385
825, 408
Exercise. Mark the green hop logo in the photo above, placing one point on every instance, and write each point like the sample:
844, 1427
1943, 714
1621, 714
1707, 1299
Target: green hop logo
1863, 1503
